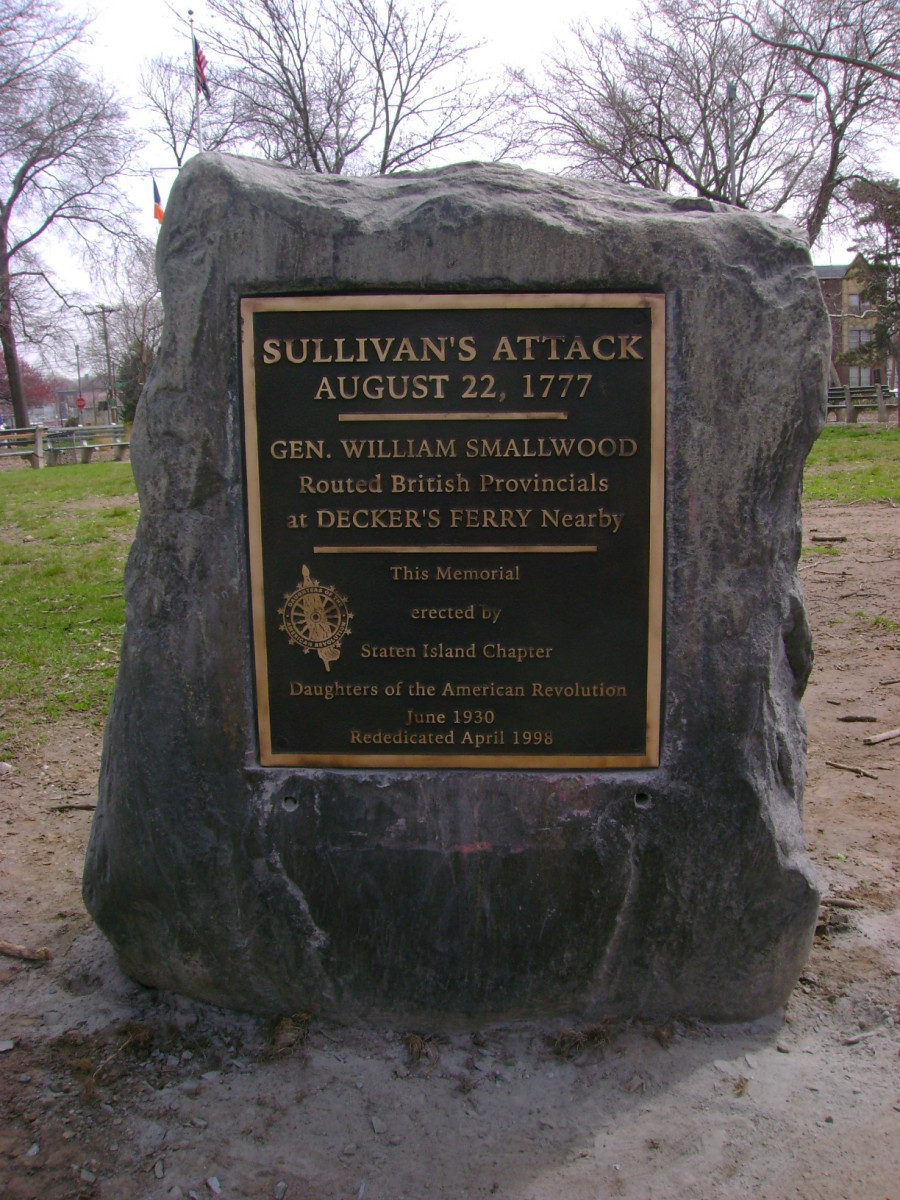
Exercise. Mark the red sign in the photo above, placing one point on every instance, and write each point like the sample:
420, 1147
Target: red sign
80, 403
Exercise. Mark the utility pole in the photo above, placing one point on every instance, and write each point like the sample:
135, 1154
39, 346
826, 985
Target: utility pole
103, 311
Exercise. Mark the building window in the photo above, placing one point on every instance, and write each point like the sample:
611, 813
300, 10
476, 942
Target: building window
860, 377
853, 302
859, 338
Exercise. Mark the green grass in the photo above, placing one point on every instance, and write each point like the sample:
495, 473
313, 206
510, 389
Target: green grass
879, 622
854, 464
64, 537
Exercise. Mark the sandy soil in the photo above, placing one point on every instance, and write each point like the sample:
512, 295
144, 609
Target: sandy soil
113, 1091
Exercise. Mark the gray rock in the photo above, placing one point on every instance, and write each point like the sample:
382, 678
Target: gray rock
148, 1135
699, 902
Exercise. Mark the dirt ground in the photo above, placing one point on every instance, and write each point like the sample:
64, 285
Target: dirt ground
114, 1092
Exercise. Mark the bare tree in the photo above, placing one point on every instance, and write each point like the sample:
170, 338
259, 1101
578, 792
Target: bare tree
167, 87
424, 103
848, 53
28, 42
135, 326
63, 145
853, 33
653, 108
362, 86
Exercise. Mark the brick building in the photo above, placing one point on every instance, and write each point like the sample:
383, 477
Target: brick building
851, 326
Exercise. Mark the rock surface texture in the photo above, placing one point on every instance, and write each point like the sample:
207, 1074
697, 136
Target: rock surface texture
680, 890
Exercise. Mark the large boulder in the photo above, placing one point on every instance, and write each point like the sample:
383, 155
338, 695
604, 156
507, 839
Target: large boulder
682, 889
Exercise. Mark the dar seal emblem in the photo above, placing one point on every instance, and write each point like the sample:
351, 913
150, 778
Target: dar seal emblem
315, 617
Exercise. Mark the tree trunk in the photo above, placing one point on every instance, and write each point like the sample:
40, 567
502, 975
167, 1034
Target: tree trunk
8, 340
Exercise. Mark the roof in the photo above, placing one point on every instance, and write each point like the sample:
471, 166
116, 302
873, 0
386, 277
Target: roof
831, 271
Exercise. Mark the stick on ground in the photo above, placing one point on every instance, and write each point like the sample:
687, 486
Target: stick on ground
881, 737
847, 767
28, 953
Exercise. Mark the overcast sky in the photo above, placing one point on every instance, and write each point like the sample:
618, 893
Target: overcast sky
515, 31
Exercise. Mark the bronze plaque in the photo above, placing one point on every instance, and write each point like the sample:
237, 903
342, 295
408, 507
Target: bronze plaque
455, 510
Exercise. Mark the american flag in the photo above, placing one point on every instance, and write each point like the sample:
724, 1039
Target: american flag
200, 65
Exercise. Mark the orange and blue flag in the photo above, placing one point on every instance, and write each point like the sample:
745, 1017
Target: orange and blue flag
157, 204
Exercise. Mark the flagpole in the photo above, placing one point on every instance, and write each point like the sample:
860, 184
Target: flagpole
196, 82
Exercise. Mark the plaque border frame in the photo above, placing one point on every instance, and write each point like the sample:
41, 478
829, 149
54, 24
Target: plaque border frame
655, 302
